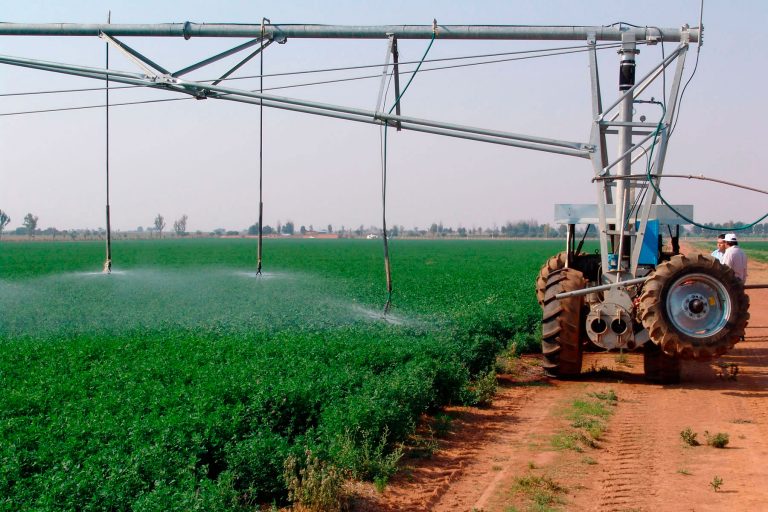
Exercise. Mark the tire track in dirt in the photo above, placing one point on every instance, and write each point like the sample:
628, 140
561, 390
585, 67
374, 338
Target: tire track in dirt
627, 460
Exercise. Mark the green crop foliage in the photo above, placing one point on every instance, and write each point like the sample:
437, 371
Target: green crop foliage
183, 382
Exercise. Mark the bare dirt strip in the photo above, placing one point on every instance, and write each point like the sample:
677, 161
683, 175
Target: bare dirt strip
641, 462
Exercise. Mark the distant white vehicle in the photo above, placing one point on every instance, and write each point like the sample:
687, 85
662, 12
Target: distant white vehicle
372, 236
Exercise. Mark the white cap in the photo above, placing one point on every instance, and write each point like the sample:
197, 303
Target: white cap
730, 237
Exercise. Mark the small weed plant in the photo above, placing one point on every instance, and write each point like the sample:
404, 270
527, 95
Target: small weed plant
542, 491
485, 388
716, 483
589, 418
368, 458
606, 396
315, 487
622, 359
689, 437
719, 440
567, 441
441, 424
423, 446
380, 482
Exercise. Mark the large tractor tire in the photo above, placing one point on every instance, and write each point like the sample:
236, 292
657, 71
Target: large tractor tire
694, 307
660, 367
553, 264
562, 324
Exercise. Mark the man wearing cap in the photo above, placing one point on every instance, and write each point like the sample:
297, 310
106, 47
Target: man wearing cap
735, 258
721, 247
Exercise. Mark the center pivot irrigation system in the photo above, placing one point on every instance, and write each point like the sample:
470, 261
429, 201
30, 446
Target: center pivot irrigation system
632, 294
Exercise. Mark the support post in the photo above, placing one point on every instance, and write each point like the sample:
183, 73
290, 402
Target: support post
599, 156
624, 188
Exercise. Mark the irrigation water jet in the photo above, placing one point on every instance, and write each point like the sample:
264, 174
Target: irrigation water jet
100, 273
263, 275
377, 315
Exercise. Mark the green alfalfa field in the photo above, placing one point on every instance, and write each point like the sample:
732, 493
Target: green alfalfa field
184, 382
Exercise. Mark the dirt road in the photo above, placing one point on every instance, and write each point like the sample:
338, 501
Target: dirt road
502, 458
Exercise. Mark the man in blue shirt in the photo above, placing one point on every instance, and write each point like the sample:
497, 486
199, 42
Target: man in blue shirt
721, 247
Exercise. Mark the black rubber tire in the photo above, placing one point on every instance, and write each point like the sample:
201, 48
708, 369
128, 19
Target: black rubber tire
562, 324
667, 332
553, 264
659, 367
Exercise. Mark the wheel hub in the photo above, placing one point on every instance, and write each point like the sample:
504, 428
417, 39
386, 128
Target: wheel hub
695, 306
698, 305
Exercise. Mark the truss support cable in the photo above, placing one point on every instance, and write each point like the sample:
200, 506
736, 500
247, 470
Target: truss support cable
218, 57
384, 237
237, 66
108, 261
261, 150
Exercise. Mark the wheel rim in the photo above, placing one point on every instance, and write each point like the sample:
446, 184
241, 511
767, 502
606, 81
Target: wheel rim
698, 305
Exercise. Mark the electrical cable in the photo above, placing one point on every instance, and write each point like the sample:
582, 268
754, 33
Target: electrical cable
63, 91
87, 107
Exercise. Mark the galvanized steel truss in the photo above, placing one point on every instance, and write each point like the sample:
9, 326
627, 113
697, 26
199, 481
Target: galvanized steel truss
616, 228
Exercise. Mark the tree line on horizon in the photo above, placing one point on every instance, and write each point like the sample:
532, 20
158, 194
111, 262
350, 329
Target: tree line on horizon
520, 229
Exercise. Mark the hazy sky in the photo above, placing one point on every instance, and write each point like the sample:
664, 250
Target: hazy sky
201, 157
